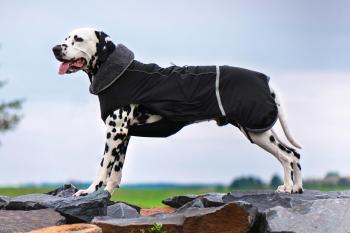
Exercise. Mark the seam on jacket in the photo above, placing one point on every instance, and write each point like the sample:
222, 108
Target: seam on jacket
195, 74
217, 81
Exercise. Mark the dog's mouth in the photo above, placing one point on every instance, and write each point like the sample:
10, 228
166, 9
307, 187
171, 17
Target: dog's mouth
71, 66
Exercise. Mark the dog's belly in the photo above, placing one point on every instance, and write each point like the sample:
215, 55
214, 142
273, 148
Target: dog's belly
161, 128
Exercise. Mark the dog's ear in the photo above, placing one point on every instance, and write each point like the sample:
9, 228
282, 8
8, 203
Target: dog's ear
104, 46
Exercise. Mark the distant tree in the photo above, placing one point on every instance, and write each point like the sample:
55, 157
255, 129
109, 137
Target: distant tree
275, 181
344, 181
247, 182
332, 174
9, 116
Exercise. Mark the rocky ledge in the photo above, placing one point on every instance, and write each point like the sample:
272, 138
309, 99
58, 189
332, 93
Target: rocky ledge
263, 211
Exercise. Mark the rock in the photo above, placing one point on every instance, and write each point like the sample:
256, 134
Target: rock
73, 228
153, 211
178, 201
31, 202
4, 201
213, 199
122, 210
330, 215
75, 209
137, 208
82, 209
196, 203
66, 190
264, 200
230, 218
23, 221
207, 200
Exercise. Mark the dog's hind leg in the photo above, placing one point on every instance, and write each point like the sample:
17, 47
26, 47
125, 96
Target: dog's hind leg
268, 142
298, 182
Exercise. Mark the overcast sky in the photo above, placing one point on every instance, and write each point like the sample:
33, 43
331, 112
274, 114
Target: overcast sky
304, 46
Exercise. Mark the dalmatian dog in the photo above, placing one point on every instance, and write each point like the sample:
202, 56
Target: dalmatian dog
81, 50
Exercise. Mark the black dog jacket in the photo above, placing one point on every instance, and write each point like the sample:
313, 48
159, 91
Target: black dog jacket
185, 94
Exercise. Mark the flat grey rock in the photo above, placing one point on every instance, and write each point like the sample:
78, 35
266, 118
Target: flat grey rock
24, 221
75, 209
264, 200
4, 201
31, 202
319, 216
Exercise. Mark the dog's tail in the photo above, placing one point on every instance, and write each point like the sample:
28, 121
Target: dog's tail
283, 121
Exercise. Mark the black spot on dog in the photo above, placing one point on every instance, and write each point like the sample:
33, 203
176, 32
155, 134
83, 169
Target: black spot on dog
122, 148
120, 115
96, 187
116, 168
114, 130
114, 116
114, 152
106, 148
119, 136
296, 154
112, 123
100, 184
103, 159
292, 165
272, 139
125, 119
291, 175
121, 164
281, 147
273, 95
127, 109
108, 135
299, 166
78, 39
110, 164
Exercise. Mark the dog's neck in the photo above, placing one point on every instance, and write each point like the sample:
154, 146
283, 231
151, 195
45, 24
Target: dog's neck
104, 48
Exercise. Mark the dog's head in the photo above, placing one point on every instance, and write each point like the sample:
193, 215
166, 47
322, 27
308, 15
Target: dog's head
83, 49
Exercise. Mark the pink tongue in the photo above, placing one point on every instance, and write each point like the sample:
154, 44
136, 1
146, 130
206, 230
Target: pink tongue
63, 68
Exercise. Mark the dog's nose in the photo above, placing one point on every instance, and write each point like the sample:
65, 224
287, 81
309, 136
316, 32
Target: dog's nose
57, 50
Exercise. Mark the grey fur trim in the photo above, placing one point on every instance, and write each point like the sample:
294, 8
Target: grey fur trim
109, 72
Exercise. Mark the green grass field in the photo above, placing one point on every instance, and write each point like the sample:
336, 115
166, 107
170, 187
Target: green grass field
145, 198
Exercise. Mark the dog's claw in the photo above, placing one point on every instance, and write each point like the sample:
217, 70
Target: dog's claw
297, 189
82, 192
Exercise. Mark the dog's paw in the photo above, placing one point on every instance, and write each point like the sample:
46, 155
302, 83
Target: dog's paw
297, 189
83, 192
284, 189
111, 188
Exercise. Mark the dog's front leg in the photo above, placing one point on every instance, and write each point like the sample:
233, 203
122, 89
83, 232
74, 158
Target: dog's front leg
116, 143
115, 171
